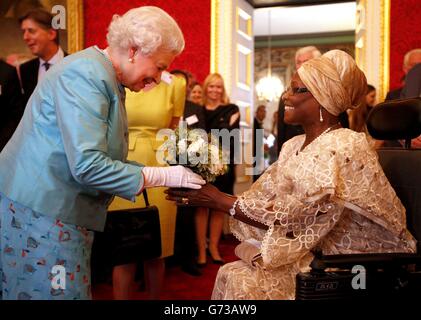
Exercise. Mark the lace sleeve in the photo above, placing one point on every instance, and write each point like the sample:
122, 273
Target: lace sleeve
299, 230
296, 201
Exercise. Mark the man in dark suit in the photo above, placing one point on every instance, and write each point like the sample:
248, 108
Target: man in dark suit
410, 59
43, 41
10, 102
412, 89
396, 93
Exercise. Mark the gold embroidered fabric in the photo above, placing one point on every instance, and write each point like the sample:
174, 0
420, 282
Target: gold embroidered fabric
333, 196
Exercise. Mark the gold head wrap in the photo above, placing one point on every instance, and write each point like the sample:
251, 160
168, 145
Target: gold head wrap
335, 81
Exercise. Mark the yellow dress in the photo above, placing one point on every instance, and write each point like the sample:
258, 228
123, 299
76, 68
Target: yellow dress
147, 113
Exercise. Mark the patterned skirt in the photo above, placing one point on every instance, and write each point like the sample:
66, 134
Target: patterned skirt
42, 258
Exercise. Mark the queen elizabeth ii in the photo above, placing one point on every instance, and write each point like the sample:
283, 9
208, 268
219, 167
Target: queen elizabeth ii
67, 158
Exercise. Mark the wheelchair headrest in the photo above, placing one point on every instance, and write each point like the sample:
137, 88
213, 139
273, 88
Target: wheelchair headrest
395, 120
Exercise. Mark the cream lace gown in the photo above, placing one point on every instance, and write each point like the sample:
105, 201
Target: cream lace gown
333, 195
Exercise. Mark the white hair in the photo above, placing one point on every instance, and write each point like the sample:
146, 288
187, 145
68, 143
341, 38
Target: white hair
316, 53
408, 55
147, 29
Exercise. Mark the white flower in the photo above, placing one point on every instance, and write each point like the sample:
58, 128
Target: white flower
196, 146
182, 146
214, 154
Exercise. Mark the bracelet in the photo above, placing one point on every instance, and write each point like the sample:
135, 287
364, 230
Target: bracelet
232, 210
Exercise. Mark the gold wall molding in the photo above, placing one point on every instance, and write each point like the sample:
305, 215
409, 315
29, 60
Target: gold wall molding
215, 20
372, 49
75, 25
385, 48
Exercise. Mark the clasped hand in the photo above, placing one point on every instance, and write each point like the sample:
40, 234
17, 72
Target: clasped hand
207, 196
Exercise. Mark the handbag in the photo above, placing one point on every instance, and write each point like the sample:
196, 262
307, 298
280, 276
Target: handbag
133, 235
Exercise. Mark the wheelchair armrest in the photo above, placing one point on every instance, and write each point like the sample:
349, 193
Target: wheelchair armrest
369, 261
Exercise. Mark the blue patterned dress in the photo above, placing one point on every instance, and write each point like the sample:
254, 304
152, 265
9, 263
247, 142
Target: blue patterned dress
42, 258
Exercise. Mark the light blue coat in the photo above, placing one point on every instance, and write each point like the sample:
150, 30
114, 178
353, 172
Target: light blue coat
68, 155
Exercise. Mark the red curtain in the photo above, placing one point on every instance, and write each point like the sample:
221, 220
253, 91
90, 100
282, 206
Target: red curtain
194, 18
405, 34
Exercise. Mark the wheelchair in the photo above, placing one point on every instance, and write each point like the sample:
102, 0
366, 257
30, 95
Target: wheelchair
362, 276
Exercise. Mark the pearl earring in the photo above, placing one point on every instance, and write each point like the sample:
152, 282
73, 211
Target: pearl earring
321, 116
131, 60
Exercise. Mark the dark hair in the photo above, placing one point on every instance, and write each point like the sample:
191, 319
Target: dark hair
370, 88
182, 72
43, 18
195, 84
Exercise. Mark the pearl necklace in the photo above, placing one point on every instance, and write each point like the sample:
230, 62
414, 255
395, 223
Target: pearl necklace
324, 132
328, 129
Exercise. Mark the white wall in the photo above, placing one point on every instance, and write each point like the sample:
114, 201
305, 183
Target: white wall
307, 19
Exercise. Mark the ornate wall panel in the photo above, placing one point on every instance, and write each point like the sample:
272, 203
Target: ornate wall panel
405, 34
75, 36
192, 16
372, 42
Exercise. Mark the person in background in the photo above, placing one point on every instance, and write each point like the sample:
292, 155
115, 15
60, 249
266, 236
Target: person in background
370, 97
196, 94
287, 131
358, 116
316, 196
410, 59
358, 119
220, 114
67, 158
412, 89
43, 42
191, 81
16, 59
259, 145
10, 102
185, 240
273, 150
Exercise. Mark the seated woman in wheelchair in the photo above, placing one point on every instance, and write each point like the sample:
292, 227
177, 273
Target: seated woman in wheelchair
327, 190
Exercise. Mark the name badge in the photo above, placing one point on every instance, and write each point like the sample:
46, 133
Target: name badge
166, 77
192, 120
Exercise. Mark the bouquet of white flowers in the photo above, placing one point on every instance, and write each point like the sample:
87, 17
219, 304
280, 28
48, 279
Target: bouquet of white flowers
196, 150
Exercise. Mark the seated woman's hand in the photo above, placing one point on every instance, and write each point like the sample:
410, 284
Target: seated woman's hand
207, 196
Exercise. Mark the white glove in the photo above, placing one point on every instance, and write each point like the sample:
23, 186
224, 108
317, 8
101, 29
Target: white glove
173, 177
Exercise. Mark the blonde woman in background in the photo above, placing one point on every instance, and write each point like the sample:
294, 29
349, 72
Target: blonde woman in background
148, 112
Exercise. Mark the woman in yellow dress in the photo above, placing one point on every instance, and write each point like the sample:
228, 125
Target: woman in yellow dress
148, 112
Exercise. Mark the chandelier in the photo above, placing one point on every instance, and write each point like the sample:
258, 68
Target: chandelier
270, 87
